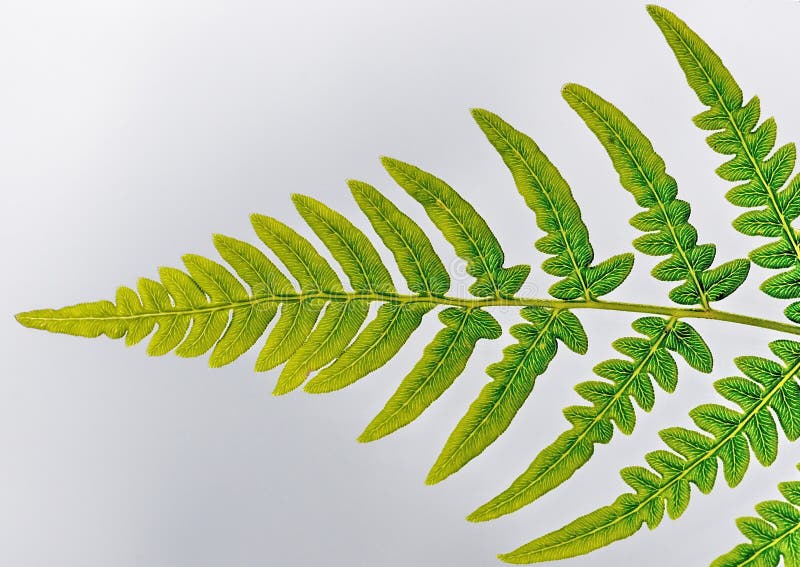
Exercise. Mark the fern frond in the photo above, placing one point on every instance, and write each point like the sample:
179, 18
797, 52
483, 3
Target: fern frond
665, 219
557, 213
325, 340
464, 228
626, 381
775, 534
567, 239
512, 382
443, 361
739, 134
727, 436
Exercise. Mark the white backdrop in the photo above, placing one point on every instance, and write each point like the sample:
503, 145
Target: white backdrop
130, 132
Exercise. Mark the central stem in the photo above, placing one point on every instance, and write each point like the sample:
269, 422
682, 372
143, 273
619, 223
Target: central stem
473, 303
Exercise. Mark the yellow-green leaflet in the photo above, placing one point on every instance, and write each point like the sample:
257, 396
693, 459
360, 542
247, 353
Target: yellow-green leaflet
337, 327
443, 361
373, 348
413, 251
464, 229
351, 248
513, 378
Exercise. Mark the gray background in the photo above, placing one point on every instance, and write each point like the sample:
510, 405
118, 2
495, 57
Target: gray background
133, 131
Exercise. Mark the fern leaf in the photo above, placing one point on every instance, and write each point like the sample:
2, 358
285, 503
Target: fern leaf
512, 382
665, 219
442, 362
413, 251
337, 327
464, 229
257, 271
775, 534
546, 192
375, 346
351, 248
642, 172
293, 327
739, 134
727, 436
308, 267
625, 382
324, 342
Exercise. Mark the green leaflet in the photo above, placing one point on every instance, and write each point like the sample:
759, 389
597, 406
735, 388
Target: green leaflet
374, 347
294, 326
512, 382
665, 219
775, 534
625, 382
464, 229
351, 248
308, 267
337, 327
728, 437
443, 361
413, 251
738, 133
546, 192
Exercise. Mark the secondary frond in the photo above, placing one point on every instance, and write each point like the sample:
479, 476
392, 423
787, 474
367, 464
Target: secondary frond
626, 381
665, 219
762, 177
726, 435
567, 239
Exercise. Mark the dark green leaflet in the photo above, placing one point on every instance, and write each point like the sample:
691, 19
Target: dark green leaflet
727, 436
737, 132
626, 381
547, 194
665, 218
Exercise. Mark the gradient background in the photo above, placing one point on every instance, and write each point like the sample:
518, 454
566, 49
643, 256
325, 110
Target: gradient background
133, 131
